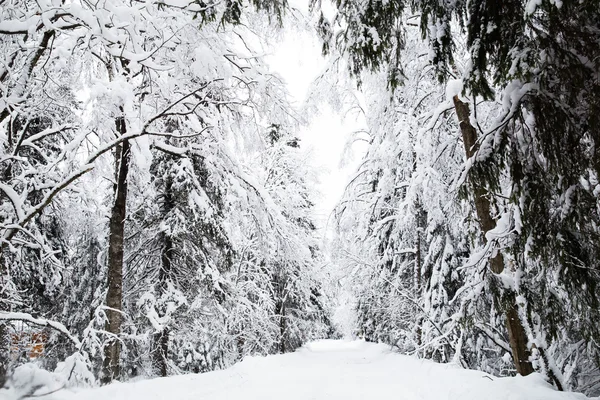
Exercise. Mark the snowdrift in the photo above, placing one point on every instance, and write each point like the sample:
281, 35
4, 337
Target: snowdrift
328, 370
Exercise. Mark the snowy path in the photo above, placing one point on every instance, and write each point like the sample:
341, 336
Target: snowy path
330, 370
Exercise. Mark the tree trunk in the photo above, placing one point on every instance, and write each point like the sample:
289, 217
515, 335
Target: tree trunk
418, 263
160, 352
418, 278
161, 339
4, 328
282, 329
4, 352
517, 338
421, 223
114, 295
516, 332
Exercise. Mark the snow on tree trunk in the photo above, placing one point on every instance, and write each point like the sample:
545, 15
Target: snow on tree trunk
516, 332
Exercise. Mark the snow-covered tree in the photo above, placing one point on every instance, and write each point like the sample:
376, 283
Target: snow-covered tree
166, 102
506, 75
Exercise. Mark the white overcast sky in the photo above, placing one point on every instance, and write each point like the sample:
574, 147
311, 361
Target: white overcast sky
298, 60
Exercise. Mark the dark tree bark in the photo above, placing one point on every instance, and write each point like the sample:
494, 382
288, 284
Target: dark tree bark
4, 352
161, 339
421, 215
161, 351
419, 277
114, 295
516, 333
279, 295
282, 329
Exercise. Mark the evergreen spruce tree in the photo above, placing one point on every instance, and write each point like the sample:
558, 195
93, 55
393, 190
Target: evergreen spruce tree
533, 168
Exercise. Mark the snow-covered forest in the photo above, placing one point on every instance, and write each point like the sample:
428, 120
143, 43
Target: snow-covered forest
159, 208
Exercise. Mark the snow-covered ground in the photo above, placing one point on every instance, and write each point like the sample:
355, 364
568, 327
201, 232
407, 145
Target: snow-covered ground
330, 370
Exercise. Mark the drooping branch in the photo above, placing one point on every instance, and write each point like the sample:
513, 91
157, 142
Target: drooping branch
28, 318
